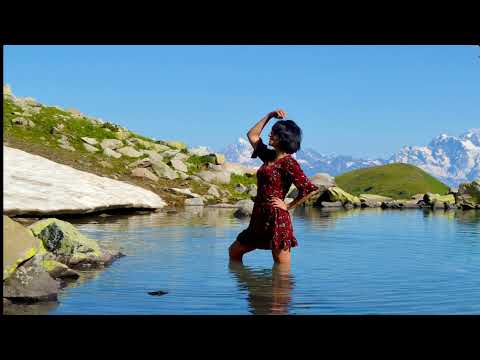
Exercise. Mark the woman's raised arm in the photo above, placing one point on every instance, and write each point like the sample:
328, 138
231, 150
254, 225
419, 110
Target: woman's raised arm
254, 133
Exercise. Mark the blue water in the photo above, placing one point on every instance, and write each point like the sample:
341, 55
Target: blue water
369, 261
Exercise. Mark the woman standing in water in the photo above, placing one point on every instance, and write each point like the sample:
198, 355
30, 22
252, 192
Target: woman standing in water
270, 225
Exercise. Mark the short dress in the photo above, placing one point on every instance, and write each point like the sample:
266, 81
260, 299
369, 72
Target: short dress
271, 227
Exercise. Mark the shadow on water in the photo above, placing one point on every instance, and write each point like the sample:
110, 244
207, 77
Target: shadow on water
269, 290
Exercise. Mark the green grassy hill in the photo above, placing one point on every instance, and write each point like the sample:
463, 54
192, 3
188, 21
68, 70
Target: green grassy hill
398, 181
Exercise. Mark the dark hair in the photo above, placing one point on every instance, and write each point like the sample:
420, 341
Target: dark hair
289, 135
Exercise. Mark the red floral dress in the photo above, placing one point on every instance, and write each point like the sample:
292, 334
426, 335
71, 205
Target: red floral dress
271, 227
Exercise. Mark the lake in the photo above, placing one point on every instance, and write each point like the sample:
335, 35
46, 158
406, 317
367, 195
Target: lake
360, 261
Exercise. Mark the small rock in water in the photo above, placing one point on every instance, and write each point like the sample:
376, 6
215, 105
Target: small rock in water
158, 293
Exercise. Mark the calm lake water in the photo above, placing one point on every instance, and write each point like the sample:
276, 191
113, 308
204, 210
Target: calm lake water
368, 261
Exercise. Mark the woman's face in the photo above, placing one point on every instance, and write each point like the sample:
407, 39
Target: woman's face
272, 139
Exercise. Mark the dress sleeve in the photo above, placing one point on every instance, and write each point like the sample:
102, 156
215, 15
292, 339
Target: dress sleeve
299, 179
263, 152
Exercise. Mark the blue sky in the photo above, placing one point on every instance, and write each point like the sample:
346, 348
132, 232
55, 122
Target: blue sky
364, 101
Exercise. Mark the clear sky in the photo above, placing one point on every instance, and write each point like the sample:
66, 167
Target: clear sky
364, 101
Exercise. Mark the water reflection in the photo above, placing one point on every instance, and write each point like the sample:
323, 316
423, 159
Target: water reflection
269, 290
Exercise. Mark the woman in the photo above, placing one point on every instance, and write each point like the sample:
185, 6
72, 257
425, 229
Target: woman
270, 225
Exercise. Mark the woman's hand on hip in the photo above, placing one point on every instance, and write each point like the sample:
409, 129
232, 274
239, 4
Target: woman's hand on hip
279, 203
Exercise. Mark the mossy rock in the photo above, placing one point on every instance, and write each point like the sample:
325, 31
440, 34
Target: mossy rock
63, 239
335, 194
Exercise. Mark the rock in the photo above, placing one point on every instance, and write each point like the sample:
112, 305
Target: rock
214, 167
335, 204
219, 158
335, 193
142, 163
170, 153
239, 169
194, 202
187, 192
90, 141
240, 188
222, 177
144, 173
35, 186
69, 246
57, 129
178, 165
153, 155
106, 164
214, 191
111, 153
245, 208
90, 148
348, 205
417, 197
122, 134
31, 283
372, 200
252, 190
129, 151
160, 147
23, 122
19, 245
180, 157
438, 201
323, 179
468, 195
67, 147
7, 90
112, 144
182, 175
176, 145
74, 112
199, 151
163, 170
58, 270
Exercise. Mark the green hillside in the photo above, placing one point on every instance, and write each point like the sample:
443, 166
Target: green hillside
398, 181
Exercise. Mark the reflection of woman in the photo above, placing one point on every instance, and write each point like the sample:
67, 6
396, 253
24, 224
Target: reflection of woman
269, 291
270, 225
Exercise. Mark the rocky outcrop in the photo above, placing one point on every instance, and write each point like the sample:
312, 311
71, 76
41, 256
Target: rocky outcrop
468, 196
34, 185
222, 177
19, 245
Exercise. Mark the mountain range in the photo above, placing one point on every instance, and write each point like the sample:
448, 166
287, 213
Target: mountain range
451, 159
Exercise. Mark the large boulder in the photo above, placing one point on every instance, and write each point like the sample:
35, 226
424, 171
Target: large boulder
111, 153
111, 144
199, 151
31, 283
144, 173
335, 193
90, 141
214, 191
178, 165
222, 177
468, 196
129, 151
19, 245
177, 145
219, 158
163, 170
245, 208
69, 246
323, 179
57, 270
35, 186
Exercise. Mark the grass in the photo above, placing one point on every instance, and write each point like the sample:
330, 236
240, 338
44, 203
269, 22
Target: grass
398, 181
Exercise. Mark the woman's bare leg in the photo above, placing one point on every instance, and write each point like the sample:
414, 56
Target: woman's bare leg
281, 256
237, 250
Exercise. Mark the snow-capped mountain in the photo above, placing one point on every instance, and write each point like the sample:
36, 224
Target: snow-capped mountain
451, 159
312, 162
